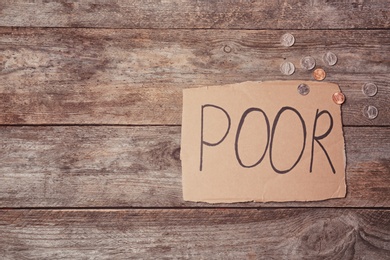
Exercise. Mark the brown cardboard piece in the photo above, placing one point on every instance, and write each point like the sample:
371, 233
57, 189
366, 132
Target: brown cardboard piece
268, 156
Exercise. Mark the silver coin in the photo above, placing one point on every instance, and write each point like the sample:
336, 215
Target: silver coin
303, 89
287, 40
370, 89
371, 112
330, 58
308, 63
287, 68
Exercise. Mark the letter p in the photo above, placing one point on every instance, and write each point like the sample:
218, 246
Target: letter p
202, 141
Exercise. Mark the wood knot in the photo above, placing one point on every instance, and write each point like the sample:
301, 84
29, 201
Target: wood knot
227, 49
176, 154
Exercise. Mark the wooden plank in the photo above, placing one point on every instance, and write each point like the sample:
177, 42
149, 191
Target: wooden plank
85, 76
84, 166
286, 14
195, 234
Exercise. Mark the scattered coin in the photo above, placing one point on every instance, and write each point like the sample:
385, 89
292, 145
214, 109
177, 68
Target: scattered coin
287, 40
308, 63
338, 98
287, 68
370, 89
303, 89
371, 112
330, 58
319, 74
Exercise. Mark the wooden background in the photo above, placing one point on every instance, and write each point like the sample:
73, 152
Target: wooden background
91, 99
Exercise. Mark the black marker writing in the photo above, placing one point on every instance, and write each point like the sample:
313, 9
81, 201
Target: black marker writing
318, 138
244, 115
273, 133
202, 141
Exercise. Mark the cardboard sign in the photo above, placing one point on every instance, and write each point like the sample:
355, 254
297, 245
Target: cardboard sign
262, 141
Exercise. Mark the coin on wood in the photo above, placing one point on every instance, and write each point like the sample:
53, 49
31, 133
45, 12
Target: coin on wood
330, 58
371, 112
287, 40
370, 89
319, 74
287, 68
308, 63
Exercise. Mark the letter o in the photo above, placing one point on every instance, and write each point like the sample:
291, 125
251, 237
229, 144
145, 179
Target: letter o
242, 120
272, 138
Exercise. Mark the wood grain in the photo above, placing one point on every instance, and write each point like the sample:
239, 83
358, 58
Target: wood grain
105, 76
84, 166
90, 114
195, 234
245, 14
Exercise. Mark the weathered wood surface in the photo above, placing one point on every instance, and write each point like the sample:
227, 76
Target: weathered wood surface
123, 71
86, 76
245, 14
195, 234
87, 166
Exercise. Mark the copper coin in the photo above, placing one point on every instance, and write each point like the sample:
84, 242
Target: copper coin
319, 74
338, 98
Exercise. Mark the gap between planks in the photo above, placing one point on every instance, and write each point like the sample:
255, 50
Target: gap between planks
189, 208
